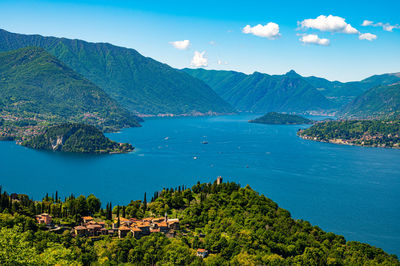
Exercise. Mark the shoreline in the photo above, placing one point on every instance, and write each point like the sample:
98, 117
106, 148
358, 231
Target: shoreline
343, 142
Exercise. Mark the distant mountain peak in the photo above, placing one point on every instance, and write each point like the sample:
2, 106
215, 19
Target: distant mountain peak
292, 73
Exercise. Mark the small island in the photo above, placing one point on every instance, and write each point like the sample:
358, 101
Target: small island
78, 138
274, 118
372, 133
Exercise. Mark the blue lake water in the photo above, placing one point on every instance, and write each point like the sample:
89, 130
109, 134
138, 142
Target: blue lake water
352, 191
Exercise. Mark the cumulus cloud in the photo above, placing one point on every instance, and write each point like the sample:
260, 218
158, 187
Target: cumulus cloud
367, 23
385, 26
269, 30
199, 59
328, 23
367, 36
181, 45
314, 39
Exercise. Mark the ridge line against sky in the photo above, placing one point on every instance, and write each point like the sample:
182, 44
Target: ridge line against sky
342, 42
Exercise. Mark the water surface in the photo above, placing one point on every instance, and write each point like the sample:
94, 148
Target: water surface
353, 191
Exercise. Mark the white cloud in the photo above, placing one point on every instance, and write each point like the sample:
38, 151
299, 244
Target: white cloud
181, 45
314, 39
367, 36
385, 26
270, 30
367, 23
199, 59
212, 43
328, 23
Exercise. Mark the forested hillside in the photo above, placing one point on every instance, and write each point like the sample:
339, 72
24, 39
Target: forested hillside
77, 138
262, 93
375, 133
344, 92
381, 102
235, 225
36, 88
139, 83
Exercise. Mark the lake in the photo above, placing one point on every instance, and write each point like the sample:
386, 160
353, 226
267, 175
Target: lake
348, 190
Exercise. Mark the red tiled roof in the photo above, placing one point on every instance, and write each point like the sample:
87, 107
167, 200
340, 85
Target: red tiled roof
202, 250
124, 228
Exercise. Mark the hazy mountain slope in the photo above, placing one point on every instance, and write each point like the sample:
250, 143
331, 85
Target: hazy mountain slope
141, 84
33, 82
264, 93
378, 102
344, 92
219, 80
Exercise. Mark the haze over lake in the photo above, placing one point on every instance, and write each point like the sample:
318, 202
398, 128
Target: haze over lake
353, 191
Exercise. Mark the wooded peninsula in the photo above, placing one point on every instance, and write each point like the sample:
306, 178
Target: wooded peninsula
373, 133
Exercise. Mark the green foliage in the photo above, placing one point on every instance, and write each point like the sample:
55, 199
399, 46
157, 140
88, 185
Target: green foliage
139, 83
79, 138
261, 93
236, 225
381, 102
281, 119
36, 85
358, 132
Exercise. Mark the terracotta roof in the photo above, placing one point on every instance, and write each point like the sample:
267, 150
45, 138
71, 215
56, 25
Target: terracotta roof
103, 229
136, 229
155, 230
87, 217
201, 250
163, 224
93, 226
124, 228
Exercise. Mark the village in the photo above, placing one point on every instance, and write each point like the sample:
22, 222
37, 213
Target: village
120, 228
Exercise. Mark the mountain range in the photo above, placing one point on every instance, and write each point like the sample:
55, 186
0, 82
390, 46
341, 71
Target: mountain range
291, 92
261, 93
140, 84
36, 84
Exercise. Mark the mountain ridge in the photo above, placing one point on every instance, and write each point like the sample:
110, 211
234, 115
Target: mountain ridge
262, 93
36, 85
141, 84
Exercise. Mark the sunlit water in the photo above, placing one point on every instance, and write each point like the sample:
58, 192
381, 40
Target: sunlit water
353, 191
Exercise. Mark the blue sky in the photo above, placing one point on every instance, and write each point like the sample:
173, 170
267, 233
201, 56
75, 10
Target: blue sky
329, 49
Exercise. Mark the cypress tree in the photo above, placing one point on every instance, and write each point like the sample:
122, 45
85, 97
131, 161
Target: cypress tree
144, 203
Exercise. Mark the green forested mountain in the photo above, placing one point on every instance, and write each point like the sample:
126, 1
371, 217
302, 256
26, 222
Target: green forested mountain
250, 92
344, 92
237, 226
139, 83
281, 119
79, 138
36, 85
378, 102
263, 93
